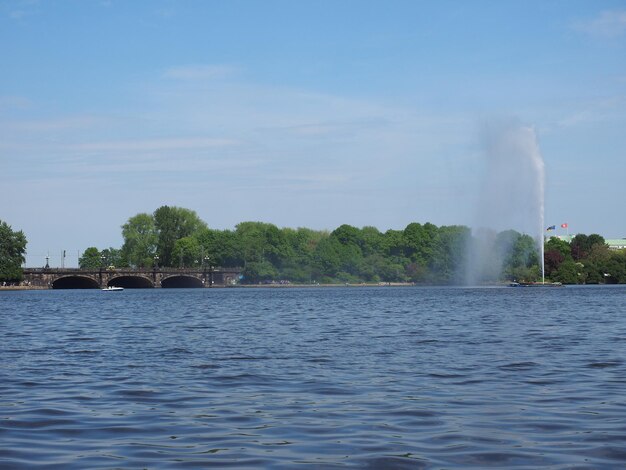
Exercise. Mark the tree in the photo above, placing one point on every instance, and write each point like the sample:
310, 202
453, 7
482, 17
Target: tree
258, 271
581, 244
187, 252
518, 256
569, 272
449, 256
140, 240
556, 251
616, 268
90, 259
12, 249
112, 257
173, 223
420, 242
219, 246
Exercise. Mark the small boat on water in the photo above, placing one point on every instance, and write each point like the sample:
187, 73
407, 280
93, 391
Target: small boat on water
112, 289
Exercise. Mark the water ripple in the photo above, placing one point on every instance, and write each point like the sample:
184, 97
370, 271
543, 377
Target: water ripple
319, 378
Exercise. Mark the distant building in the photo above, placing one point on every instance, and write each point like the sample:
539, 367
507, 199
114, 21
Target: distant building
613, 244
616, 244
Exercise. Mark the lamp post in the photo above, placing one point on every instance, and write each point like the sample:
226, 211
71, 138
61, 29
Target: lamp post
155, 266
102, 258
204, 263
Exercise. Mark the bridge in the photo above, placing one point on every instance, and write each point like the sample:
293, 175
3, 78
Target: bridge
74, 278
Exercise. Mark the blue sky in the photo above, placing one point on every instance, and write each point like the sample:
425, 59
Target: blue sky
309, 113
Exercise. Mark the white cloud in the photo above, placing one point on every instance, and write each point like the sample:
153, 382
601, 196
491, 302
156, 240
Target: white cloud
609, 23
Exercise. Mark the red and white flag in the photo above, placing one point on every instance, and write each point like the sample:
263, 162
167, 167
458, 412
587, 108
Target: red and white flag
563, 225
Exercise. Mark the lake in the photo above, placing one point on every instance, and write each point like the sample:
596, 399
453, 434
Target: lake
351, 377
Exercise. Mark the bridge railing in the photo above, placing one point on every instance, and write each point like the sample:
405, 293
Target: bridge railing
130, 270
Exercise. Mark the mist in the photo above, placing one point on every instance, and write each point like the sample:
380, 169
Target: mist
510, 197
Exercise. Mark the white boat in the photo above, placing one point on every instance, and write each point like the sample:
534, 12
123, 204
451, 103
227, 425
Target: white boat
112, 288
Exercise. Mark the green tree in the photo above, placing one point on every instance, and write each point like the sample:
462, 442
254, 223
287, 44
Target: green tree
219, 247
448, 259
556, 251
90, 259
187, 252
581, 245
93, 258
327, 259
420, 242
259, 271
519, 255
174, 223
113, 257
348, 249
616, 267
12, 249
140, 241
371, 241
569, 272
302, 243
393, 243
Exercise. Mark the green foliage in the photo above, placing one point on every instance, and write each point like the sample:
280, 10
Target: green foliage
12, 249
569, 272
187, 252
219, 247
171, 224
582, 244
113, 257
259, 271
418, 253
586, 260
556, 251
90, 259
615, 268
140, 241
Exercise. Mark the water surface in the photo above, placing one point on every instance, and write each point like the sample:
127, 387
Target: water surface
314, 378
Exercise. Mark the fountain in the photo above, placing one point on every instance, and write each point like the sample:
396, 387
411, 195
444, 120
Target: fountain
511, 196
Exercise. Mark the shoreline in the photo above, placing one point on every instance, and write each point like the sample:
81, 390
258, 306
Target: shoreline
246, 286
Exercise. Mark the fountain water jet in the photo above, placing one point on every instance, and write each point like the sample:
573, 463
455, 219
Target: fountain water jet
511, 196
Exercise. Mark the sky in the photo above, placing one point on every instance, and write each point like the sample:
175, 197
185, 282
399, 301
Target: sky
301, 113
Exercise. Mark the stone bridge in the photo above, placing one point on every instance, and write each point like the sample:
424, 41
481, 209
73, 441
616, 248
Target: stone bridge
130, 278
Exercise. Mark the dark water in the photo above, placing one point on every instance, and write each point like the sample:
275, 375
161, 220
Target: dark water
314, 378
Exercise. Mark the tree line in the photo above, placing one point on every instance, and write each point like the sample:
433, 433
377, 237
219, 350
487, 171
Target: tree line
420, 253
12, 249
585, 260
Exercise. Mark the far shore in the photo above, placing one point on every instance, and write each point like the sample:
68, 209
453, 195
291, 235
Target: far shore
23, 288
248, 286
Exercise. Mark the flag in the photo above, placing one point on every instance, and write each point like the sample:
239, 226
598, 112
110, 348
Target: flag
551, 227
563, 225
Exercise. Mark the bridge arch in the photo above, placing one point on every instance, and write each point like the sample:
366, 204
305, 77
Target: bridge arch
181, 281
131, 282
75, 282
